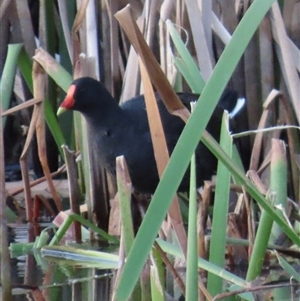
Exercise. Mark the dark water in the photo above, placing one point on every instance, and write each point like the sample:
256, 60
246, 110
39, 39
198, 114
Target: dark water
61, 282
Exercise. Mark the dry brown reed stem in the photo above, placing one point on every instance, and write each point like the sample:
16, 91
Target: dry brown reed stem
223, 296
3, 7
63, 12
37, 294
114, 49
76, 45
286, 58
24, 164
27, 32
118, 274
16, 191
294, 146
266, 161
40, 199
39, 79
161, 153
34, 291
257, 145
266, 57
202, 46
171, 268
145, 279
237, 253
162, 85
21, 106
292, 139
81, 12
74, 190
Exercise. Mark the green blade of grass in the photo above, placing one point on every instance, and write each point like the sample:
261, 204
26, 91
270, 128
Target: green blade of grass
53, 125
219, 225
8, 77
191, 72
124, 194
278, 182
25, 66
81, 255
192, 247
260, 246
190, 79
157, 292
67, 223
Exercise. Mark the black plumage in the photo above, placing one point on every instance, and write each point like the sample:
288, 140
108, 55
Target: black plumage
123, 130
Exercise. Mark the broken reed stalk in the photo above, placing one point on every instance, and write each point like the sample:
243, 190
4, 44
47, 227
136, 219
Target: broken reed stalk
74, 190
38, 76
160, 147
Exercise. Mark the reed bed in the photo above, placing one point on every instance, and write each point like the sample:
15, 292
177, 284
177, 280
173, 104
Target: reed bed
167, 46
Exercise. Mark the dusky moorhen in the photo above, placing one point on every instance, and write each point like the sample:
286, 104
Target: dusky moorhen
123, 130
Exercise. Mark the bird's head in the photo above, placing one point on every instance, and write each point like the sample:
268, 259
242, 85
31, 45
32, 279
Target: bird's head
84, 95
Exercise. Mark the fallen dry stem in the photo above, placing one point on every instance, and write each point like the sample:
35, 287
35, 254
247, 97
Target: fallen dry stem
39, 79
22, 106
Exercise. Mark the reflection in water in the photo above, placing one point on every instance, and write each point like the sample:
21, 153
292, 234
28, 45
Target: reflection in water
55, 281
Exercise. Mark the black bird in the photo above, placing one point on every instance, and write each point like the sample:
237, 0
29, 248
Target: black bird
123, 130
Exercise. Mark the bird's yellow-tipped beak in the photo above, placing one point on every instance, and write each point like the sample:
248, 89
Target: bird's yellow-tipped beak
69, 101
60, 111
